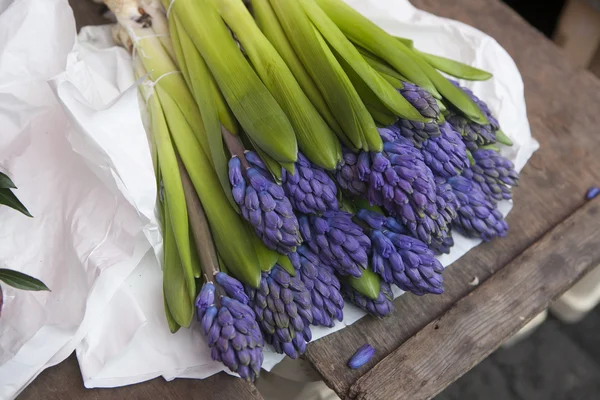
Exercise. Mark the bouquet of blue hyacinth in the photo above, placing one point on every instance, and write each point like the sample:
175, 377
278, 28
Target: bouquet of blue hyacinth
304, 158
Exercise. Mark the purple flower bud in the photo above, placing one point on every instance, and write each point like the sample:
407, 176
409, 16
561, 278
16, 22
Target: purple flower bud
310, 189
482, 105
494, 174
417, 132
323, 288
233, 288
592, 192
477, 216
380, 307
444, 245
264, 204
420, 99
205, 298
337, 241
347, 174
445, 155
402, 183
231, 330
473, 134
284, 304
362, 356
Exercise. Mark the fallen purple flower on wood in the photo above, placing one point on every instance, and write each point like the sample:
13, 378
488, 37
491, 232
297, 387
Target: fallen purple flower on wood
362, 356
592, 192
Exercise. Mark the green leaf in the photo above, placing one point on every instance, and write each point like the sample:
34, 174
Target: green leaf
21, 281
206, 98
383, 67
490, 147
470, 157
368, 284
407, 42
456, 68
178, 303
273, 166
8, 198
365, 204
5, 182
285, 263
502, 138
456, 96
351, 59
366, 34
267, 258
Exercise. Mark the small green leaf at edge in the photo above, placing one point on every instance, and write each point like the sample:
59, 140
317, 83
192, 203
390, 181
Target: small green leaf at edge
285, 263
8, 198
456, 69
407, 42
502, 138
369, 284
360, 203
6, 182
470, 157
490, 147
21, 281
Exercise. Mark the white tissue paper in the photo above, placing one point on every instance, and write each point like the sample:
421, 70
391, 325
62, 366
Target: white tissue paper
83, 168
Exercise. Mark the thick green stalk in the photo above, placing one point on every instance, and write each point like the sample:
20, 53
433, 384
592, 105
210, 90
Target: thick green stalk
371, 37
315, 139
456, 68
200, 85
175, 287
266, 19
159, 25
336, 88
381, 88
164, 72
251, 102
177, 49
203, 241
173, 325
231, 235
225, 115
173, 191
370, 136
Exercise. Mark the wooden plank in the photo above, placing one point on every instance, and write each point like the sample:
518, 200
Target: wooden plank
547, 365
562, 104
63, 382
477, 324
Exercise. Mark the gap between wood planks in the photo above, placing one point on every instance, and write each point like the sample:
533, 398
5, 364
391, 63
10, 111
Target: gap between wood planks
479, 322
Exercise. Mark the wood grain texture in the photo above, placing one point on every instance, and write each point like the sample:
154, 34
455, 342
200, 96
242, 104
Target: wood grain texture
477, 324
63, 382
562, 104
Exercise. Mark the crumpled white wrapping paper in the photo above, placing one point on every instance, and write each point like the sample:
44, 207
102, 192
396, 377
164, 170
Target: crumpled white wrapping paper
84, 170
